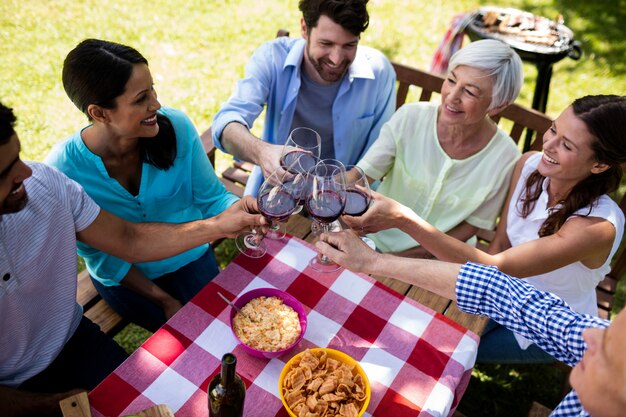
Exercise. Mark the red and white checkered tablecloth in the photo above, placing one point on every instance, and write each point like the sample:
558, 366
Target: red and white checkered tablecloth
418, 362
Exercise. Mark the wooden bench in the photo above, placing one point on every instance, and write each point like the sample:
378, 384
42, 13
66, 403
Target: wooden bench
235, 177
605, 291
521, 119
95, 308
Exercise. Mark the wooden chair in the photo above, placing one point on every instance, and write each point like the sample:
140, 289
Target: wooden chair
522, 119
538, 410
605, 291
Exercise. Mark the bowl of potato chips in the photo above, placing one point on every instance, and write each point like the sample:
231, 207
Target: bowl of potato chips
324, 382
269, 323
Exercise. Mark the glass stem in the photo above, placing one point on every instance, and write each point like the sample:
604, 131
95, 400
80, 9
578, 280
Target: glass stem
252, 240
325, 229
255, 237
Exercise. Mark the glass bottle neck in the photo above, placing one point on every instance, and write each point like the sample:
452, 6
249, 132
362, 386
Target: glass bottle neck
229, 362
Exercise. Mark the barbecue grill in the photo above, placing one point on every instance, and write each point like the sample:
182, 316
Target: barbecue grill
560, 44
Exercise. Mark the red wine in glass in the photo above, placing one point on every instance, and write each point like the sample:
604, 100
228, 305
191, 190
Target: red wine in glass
298, 162
277, 206
357, 202
298, 189
325, 206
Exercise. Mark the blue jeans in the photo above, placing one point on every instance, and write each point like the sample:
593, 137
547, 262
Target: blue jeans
86, 359
181, 284
498, 345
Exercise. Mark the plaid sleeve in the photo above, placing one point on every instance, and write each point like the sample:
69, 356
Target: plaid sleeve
539, 316
570, 406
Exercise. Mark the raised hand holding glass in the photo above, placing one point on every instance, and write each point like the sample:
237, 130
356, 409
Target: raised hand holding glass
276, 204
358, 192
301, 150
326, 202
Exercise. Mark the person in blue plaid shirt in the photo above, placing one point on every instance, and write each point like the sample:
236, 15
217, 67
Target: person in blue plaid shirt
592, 346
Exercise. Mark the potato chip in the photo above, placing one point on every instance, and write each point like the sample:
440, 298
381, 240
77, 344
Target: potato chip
317, 386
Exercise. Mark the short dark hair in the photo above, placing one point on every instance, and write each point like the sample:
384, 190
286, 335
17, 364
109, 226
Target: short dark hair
350, 14
96, 72
7, 122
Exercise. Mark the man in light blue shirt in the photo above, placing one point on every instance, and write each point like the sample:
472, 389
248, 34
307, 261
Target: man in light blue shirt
325, 80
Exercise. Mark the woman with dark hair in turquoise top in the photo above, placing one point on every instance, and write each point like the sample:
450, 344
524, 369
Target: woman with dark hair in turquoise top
144, 163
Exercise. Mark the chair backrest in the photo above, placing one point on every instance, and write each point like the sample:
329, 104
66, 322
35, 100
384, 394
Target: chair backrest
605, 291
523, 118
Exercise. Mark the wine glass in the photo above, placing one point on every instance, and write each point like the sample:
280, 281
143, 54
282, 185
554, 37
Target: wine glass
276, 204
325, 202
334, 226
358, 192
298, 185
301, 152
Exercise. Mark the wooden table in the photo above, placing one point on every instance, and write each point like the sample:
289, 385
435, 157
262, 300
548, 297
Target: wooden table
418, 362
300, 226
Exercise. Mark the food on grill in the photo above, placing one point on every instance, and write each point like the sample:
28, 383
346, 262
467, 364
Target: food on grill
525, 26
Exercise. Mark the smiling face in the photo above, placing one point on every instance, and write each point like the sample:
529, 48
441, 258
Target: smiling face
134, 114
13, 172
465, 96
330, 49
600, 377
567, 154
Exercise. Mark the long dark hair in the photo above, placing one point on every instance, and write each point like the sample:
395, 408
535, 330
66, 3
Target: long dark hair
96, 72
604, 117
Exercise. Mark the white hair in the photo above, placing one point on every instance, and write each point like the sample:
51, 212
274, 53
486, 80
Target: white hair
499, 61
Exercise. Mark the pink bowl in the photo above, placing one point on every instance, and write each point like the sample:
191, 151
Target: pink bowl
288, 299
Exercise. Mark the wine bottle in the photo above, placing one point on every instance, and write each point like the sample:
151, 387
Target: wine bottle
226, 390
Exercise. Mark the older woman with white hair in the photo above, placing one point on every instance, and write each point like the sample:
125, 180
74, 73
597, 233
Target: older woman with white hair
450, 162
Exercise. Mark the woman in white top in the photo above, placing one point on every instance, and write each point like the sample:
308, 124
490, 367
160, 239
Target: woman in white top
558, 229
449, 161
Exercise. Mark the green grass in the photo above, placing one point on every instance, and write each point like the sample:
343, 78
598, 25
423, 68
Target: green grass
197, 50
